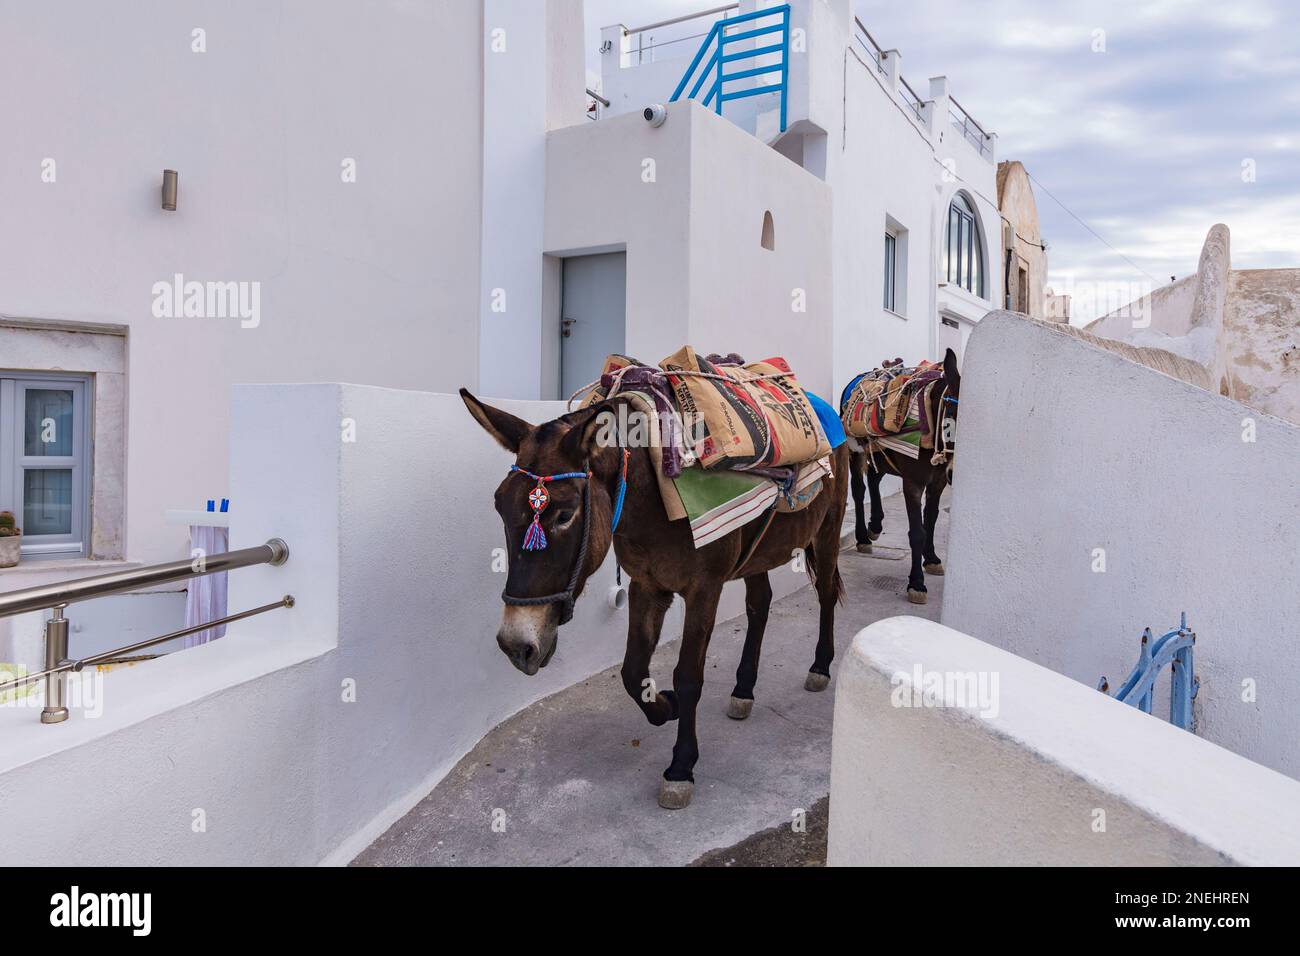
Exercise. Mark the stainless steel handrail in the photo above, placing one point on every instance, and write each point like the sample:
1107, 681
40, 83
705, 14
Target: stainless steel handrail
274, 552
966, 115
915, 103
875, 49
683, 18
105, 656
59, 596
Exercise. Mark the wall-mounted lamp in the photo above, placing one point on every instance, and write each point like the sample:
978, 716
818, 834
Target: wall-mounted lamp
169, 186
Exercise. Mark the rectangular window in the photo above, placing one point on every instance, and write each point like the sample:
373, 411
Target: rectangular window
891, 268
45, 460
964, 256
953, 227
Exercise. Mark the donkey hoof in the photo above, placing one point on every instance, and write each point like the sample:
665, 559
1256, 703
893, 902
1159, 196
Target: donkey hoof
675, 794
864, 547
739, 708
917, 597
936, 568
873, 535
816, 682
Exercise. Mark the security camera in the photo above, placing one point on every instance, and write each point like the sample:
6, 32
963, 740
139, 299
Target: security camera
655, 114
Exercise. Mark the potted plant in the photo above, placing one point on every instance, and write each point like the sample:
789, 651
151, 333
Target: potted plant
11, 540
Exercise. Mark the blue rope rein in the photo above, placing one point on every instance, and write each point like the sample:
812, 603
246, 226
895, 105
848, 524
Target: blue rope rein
622, 491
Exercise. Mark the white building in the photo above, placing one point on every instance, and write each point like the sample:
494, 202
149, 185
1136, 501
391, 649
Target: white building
415, 198
914, 223
339, 218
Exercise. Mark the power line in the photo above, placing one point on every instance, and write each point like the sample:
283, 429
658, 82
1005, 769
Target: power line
1102, 239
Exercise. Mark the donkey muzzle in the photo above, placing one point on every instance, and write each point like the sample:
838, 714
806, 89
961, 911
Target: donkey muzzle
528, 636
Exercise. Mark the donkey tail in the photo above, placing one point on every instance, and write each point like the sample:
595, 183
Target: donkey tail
837, 583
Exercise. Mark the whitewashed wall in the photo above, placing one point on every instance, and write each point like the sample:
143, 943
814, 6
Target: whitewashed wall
391, 541
533, 81
1066, 451
691, 226
358, 280
906, 185
1039, 770
376, 280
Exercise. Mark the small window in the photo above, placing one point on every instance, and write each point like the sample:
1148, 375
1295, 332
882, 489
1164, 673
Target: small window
769, 232
44, 460
891, 272
963, 250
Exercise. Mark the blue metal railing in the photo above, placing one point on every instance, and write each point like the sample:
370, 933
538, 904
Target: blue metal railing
1175, 649
715, 47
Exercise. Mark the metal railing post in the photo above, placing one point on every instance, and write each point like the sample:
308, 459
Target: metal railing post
56, 651
785, 63
722, 49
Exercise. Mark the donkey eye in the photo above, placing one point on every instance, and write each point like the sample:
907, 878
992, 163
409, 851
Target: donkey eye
564, 517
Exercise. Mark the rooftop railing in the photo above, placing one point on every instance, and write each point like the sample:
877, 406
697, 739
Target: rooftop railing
868, 43
59, 596
645, 41
909, 97
769, 27
964, 122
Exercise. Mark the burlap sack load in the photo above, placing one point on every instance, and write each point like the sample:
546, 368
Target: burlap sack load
748, 420
877, 404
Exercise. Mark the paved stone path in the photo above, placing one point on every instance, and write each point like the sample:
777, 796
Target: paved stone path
575, 776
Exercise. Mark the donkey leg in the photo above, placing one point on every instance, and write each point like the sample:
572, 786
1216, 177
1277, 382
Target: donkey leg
825, 557
646, 609
688, 681
758, 599
933, 494
877, 509
912, 493
858, 489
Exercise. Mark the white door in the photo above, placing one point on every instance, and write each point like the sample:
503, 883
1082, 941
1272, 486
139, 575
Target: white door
592, 316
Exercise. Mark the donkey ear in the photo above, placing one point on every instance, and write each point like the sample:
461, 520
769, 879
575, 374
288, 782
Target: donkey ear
950, 367
508, 430
580, 441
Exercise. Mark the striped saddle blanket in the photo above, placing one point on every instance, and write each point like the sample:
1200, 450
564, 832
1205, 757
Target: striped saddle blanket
718, 499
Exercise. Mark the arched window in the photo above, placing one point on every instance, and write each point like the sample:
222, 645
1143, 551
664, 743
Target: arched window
768, 238
963, 252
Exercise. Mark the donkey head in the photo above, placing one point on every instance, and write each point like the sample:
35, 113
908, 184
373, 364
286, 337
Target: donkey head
574, 521
948, 413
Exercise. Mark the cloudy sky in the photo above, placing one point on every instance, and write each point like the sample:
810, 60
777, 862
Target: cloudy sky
1145, 141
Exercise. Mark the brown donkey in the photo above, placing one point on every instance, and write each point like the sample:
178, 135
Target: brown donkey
922, 480
578, 502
